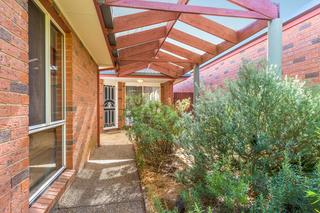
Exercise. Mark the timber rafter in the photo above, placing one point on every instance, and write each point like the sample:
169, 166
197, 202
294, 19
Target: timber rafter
149, 48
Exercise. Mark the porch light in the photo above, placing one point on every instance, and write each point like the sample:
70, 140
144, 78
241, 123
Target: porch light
140, 81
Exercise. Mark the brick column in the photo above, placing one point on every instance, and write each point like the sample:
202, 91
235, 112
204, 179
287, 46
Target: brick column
101, 96
167, 93
121, 104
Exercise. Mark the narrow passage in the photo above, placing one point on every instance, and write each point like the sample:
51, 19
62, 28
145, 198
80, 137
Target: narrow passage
109, 182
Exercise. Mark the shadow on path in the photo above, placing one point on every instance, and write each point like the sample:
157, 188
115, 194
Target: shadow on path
109, 181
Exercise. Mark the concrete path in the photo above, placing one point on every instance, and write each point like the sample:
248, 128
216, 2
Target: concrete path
109, 182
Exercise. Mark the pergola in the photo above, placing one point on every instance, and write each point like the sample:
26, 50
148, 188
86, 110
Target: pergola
150, 48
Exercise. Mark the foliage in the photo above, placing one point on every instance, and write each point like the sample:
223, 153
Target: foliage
183, 106
219, 185
252, 124
160, 208
153, 128
313, 192
286, 191
315, 197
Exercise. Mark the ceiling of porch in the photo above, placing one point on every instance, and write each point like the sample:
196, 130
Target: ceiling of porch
170, 36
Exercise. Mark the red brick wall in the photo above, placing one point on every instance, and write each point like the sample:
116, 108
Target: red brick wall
81, 90
84, 103
301, 55
167, 92
14, 101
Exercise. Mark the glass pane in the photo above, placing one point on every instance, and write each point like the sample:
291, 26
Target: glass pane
151, 93
45, 154
36, 65
56, 73
133, 91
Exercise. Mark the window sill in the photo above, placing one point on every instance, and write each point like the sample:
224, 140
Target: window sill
48, 199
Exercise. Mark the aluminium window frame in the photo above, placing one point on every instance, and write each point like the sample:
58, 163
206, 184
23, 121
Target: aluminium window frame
49, 124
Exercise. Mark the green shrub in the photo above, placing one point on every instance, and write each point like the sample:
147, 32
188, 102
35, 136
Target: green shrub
286, 191
252, 123
153, 129
313, 192
220, 185
160, 208
315, 200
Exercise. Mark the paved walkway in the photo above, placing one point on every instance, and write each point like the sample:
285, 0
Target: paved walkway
109, 182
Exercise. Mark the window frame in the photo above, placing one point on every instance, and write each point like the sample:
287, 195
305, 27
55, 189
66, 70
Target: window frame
49, 124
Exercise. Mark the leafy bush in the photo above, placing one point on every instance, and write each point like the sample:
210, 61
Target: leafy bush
153, 128
286, 191
313, 192
183, 106
219, 186
315, 200
252, 124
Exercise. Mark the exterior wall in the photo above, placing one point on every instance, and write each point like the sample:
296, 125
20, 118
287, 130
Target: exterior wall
167, 92
84, 103
301, 54
14, 106
81, 95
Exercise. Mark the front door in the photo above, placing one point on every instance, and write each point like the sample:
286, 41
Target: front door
109, 106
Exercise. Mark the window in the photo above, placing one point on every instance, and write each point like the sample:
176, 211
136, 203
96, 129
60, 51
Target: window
45, 156
133, 91
36, 65
56, 66
46, 94
149, 93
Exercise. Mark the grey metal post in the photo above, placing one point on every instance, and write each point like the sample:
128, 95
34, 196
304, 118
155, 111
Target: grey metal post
196, 82
275, 44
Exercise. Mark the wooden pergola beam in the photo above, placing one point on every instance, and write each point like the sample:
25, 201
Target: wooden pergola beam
135, 50
156, 60
165, 56
252, 29
210, 26
193, 41
102, 24
167, 69
131, 68
181, 52
142, 49
264, 7
129, 22
145, 55
170, 24
182, 8
242, 35
141, 37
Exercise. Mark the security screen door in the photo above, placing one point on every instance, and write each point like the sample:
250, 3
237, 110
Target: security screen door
109, 106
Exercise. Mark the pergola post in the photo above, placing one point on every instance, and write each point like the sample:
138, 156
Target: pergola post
196, 82
98, 108
275, 44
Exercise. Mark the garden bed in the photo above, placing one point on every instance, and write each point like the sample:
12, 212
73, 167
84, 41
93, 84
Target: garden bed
254, 147
161, 184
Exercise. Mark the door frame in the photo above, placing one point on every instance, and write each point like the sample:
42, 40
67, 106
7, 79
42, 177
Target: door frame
115, 84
